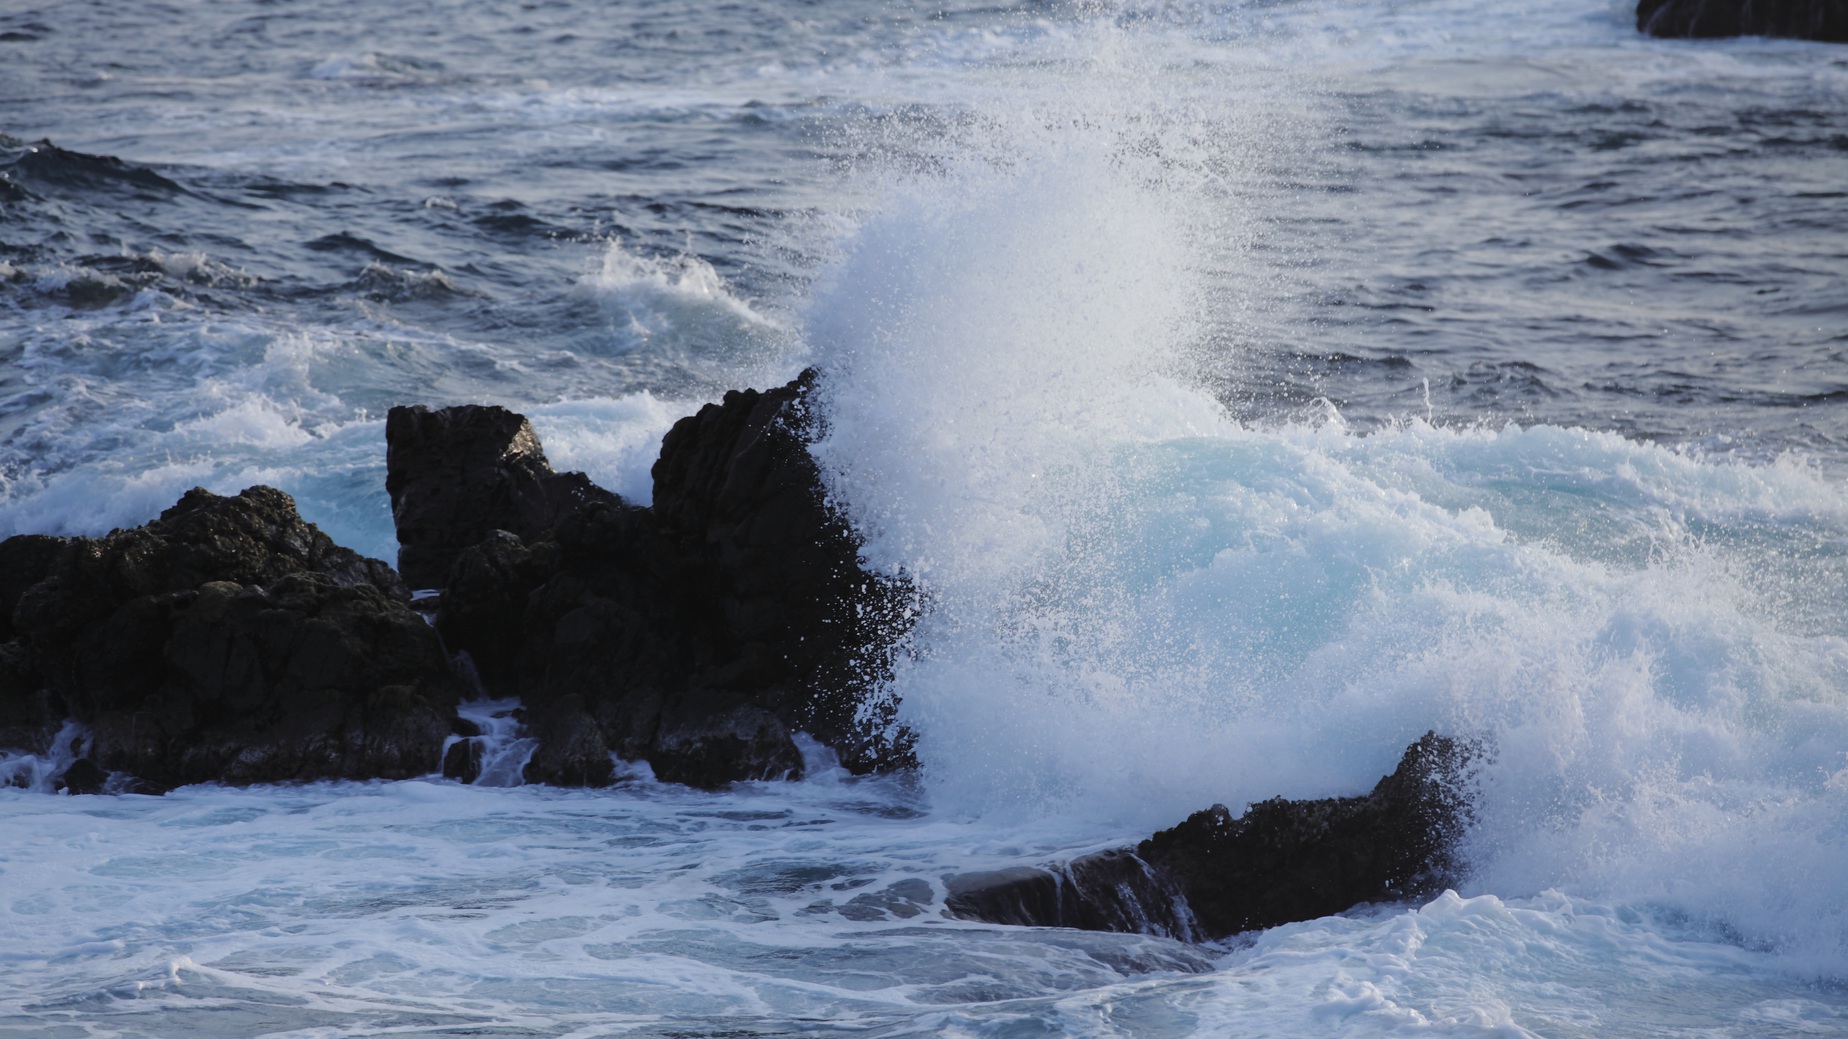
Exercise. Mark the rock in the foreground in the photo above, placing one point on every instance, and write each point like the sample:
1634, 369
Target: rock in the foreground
228, 640
1824, 20
697, 634
1282, 861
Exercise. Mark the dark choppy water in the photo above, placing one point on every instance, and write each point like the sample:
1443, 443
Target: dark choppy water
1538, 218
1255, 386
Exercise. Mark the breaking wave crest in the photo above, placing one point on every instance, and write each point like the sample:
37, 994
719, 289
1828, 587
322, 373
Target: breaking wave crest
1140, 606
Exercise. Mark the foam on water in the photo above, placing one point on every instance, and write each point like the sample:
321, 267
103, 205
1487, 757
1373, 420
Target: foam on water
1138, 607
614, 442
681, 299
39, 772
436, 909
502, 746
354, 906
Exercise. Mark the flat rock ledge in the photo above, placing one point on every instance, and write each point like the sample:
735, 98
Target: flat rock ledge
1216, 875
1821, 20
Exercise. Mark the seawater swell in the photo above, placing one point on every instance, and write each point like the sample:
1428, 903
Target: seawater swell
156, 341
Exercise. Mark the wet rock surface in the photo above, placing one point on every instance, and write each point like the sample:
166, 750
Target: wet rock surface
227, 640
1216, 875
455, 475
697, 634
1823, 20
231, 640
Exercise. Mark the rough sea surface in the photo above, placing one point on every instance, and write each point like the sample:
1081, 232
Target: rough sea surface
1253, 387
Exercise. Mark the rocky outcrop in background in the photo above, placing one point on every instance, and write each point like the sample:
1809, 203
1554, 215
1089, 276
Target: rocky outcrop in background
456, 475
1824, 20
697, 634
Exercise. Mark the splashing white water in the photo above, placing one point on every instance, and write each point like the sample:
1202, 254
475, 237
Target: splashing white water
677, 306
500, 748
39, 773
1139, 607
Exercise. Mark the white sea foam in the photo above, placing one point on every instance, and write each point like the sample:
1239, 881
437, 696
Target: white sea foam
613, 441
678, 306
362, 908
39, 772
1139, 607
502, 747
128, 412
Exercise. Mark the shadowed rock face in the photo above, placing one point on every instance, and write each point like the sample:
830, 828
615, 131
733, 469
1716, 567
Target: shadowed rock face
458, 474
28, 715
1824, 20
736, 488
1217, 875
227, 640
697, 634
1112, 890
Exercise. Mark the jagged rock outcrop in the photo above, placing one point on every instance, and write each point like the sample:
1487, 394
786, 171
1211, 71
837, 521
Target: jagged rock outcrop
697, 634
1216, 875
228, 640
1823, 20
736, 488
456, 475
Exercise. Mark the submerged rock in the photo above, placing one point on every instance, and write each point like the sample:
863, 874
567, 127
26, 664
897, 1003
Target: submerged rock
1216, 875
1824, 20
1112, 890
697, 634
228, 640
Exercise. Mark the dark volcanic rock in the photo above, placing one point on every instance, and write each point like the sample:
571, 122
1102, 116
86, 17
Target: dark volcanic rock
83, 777
462, 761
457, 474
709, 739
28, 716
697, 634
1297, 860
1825, 20
24, 561
572, 751
483, 608
737, 488
1215, 875
1111, 890
227, 640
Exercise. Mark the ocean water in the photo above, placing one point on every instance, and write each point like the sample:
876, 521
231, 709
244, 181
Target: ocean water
1252, 387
